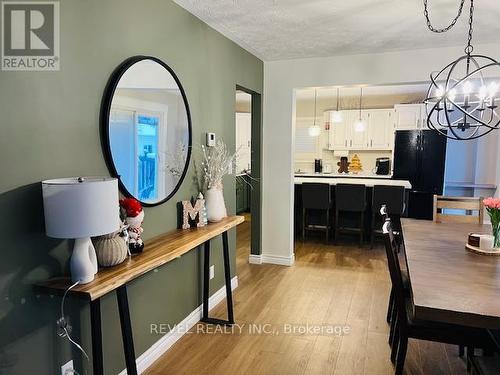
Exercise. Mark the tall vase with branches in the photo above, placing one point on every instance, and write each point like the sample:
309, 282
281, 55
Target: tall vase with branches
217, 162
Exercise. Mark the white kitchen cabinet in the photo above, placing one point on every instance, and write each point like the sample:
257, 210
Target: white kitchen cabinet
409, 116
378, 133
380, 129
358, 140
338, 135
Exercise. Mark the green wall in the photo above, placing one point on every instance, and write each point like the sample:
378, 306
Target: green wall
49, 127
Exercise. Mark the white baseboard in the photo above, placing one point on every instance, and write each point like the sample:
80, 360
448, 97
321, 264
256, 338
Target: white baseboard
255, 259
166, 341
272, 259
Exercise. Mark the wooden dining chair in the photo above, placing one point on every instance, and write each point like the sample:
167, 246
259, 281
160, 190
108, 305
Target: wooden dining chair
406, 324
391, 306
486, 364
472, 208
393, 199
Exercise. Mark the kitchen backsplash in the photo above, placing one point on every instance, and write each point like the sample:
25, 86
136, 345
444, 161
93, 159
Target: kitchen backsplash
367, 158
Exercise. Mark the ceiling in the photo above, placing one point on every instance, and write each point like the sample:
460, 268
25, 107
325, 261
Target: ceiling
289, 29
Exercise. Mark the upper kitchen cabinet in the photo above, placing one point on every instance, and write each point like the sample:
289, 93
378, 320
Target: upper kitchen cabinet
409, 116
358, 139
338, 134
377, 134
380, 129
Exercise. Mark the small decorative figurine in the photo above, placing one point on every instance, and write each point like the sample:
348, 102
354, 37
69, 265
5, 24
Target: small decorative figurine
355, 164
204, 215
192, 213
343, 164
133, 216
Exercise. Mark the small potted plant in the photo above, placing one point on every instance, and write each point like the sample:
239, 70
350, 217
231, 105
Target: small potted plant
493, 208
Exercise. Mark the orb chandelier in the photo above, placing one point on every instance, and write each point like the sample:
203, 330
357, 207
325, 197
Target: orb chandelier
461, 99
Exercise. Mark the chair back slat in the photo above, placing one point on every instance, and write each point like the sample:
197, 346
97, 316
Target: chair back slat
473, 208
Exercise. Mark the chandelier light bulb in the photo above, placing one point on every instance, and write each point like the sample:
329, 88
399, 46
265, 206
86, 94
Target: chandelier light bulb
452, 94
483, 93
439, 92
492, 89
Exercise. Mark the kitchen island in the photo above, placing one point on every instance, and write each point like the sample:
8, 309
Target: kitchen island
368, 181
333, 179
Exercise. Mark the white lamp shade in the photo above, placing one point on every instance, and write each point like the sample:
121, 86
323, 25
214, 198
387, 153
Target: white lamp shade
76, 209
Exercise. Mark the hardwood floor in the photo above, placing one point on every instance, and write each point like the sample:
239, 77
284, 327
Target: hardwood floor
328, 285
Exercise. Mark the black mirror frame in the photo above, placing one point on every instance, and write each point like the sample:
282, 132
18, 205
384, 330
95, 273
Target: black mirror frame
107, 99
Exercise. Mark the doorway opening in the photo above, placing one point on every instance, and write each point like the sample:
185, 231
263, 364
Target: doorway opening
248, 186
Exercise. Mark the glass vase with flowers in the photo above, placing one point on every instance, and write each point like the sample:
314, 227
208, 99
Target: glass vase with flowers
493, 208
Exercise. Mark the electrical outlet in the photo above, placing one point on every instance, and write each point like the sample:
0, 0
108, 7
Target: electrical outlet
67, 369
212, 272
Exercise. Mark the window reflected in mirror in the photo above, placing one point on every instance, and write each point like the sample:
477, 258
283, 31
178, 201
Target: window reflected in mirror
149, 131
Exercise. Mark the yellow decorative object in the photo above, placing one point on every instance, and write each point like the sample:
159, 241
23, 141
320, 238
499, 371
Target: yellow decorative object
355, 164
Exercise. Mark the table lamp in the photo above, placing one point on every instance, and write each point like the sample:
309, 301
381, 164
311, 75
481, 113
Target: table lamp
79, 208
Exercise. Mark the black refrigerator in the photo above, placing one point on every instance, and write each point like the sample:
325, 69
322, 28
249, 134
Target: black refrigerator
419, 156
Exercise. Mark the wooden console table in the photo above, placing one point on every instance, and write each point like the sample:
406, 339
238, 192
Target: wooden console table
158, 251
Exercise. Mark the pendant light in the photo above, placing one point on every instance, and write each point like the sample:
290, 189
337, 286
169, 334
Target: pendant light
337, 114
359, 126
314, 130
461, 102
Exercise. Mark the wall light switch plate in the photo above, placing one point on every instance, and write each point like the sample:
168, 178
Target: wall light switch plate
212, 272
67, 369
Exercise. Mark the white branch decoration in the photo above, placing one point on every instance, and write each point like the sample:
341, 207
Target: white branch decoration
217, 161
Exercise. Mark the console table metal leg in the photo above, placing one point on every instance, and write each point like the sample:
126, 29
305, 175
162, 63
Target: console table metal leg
227, 275
206, 279
206, 284
128, 341
95, 323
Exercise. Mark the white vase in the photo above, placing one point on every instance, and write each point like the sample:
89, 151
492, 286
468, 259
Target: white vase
214, 202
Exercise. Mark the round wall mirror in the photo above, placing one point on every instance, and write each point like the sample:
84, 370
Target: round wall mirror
146, 129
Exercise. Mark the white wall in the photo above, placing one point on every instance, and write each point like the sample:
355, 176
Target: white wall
280, 80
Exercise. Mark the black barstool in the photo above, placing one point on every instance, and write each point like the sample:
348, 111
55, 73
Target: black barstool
350, 198
393, 197
316, 196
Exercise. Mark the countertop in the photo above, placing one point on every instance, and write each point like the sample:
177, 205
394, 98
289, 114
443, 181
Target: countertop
361, 180
343, 175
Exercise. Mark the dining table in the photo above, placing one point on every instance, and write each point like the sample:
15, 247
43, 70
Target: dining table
450, 284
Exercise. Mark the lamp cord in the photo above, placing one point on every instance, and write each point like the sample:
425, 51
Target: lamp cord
64, 326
